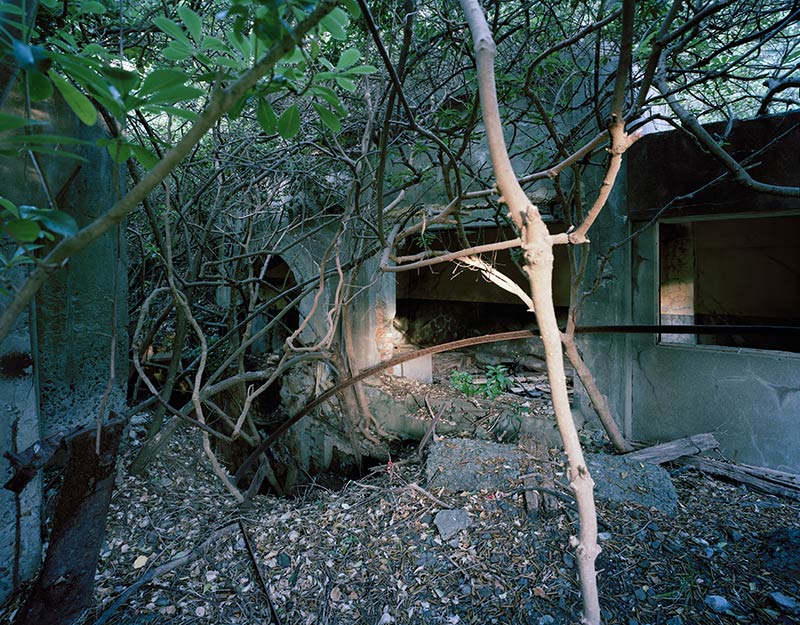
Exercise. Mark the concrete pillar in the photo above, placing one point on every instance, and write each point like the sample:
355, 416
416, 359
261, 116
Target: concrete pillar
55, 366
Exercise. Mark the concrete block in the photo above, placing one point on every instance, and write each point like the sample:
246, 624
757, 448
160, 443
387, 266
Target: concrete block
420, 369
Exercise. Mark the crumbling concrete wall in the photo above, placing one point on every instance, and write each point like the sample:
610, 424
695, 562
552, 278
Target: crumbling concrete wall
20, 522
749, 398
57, 360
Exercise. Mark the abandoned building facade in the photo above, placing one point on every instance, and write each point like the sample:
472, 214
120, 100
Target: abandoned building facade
691, 249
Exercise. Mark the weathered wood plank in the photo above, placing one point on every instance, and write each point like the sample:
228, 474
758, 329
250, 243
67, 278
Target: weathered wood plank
751, 476
792, 479
64, 587
666, 452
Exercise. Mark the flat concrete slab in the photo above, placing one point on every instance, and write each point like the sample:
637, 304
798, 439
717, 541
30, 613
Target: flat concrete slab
462, 464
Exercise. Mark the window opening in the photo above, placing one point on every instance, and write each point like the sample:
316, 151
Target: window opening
724, 272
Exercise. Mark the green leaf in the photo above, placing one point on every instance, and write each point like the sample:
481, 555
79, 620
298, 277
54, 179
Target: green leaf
147, 158
341, 17
93, 49
173, 110
172, 29
177, 51
352, 6
349, 57
295, 56
39, 86
241, 43
363, 69
192, 22
336, 30
78, 102
266, 116
9, 206
12, 9
123, 79
23, 230
172, 95
213, 43
59, 222
92, 6
345, 83
162, 79
330, 119
26, 140
119, 149
12, 122
327, 94
226, 61
121, 152
289, 122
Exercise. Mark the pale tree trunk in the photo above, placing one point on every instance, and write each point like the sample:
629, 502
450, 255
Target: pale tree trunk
539, 266
538, 246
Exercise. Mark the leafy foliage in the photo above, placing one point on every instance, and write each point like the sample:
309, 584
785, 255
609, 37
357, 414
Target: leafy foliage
497, 382
28, 227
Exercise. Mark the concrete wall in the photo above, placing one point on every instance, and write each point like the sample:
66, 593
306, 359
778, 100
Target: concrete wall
65, 341
749, 398
20, 522
606, 355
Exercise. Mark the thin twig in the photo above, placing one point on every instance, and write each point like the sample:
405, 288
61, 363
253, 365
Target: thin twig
272, 612
416, 487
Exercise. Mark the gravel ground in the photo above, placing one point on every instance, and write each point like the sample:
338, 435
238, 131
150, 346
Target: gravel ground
371, 553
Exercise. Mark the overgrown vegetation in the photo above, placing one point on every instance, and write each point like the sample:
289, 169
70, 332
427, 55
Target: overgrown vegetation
247, 128
497, 382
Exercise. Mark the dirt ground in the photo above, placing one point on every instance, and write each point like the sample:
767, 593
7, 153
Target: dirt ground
370, 553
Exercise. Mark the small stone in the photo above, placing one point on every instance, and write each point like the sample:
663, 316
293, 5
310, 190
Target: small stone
450, 522
139, 419
604, 536
640, 594
426, 558
736, 536
484, 592
284, 561
787, 603
465, 589
675, 620
546, 620
717, 603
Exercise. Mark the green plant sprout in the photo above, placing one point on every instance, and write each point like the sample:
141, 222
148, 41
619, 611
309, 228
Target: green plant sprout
497, 382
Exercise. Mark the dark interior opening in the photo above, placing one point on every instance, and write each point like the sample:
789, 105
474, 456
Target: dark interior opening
735, 271
449, 301
278, 279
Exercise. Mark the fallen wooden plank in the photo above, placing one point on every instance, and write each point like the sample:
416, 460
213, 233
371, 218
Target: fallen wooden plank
792, 479
64, 587
666, 452
744, 475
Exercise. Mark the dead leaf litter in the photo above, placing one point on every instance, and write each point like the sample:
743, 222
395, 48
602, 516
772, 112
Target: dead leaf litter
371, 553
